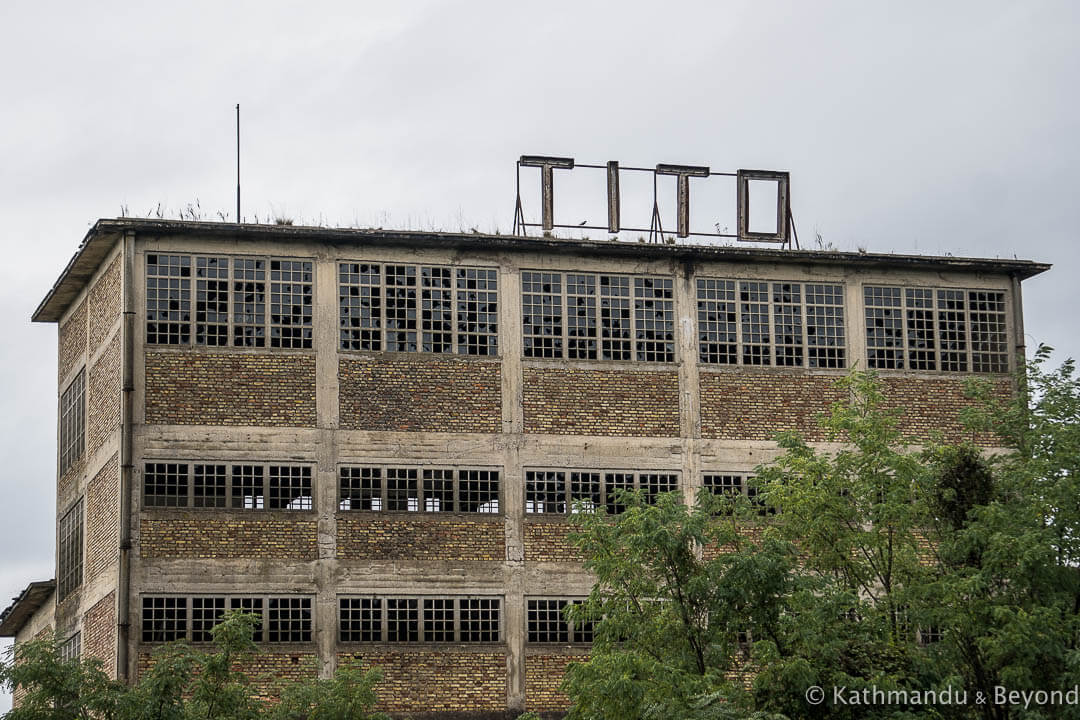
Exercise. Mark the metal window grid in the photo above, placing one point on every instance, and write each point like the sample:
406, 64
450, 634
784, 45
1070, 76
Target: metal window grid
418, 308
70, 551
562, 490
942, 329
73, 422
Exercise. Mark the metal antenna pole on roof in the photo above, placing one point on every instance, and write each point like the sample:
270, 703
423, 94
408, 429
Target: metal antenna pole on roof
238, 162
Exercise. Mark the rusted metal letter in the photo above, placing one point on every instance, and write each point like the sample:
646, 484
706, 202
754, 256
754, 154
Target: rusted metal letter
547, 183
683, 173
613, 196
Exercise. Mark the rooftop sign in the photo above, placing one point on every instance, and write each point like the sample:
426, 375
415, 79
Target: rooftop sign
776, 184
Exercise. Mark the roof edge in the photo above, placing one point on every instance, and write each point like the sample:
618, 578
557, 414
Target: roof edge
22, 608
105, 232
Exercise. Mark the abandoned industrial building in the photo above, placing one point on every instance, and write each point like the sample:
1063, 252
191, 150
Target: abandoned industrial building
374, 439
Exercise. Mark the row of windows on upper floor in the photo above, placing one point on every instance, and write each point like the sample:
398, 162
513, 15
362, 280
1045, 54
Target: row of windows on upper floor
409, 489
366, 619
268, 302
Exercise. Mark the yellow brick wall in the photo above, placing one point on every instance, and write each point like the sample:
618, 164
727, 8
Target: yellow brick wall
437, 680
103, 403
219, 534
270, 389
417, 394
568, 401
370, 536
933, 404
72, 341
543, 675
756, 404
548, 541
102, 513
99, 633
104, 303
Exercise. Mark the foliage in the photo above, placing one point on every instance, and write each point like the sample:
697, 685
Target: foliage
55, 688
349, 695
884, 566
182, 684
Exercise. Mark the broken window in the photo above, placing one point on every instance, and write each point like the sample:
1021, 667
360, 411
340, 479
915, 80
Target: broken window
164, 619
411, 489
360, 619
402, 620
547, 491
285, 619
206, 612
950, 330
254, 606
290, 487
728, 487
244, 487
231, 301
560, 317
69, 563
547, 623
770, 323
419, 619
72, 421
288, 620
168, 299
418, 308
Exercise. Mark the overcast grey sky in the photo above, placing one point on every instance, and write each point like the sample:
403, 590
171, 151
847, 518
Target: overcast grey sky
929, 126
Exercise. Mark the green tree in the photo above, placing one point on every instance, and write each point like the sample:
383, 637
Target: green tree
668, 619
55, 688
349, 695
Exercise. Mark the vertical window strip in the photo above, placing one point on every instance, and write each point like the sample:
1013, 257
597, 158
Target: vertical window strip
921, 352
211, 301
787, 324
291, 304
249, 302
542, 319
754, 318
580, 317
436, 310
654, 319
952, 330
884, 327
72, 422
477, 312
717, 321
989, 340
615, 325
70, 551
360, 306
168, 299
825, 340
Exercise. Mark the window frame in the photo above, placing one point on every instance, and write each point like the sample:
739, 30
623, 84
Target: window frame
230, 498
460, 340
422, 504
232, 601
742, 349
907, 349
458, 619
70, 551
72, 418
574, 635
605, 474
639, 345
187, 326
